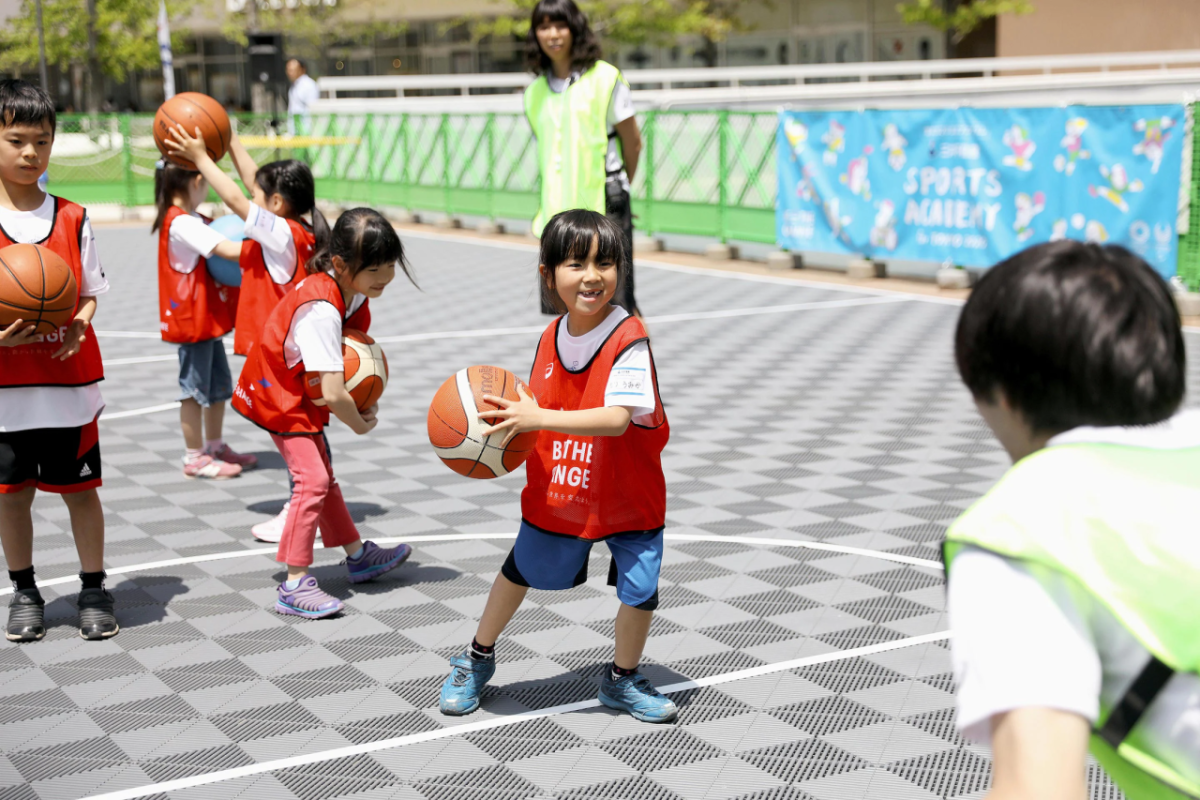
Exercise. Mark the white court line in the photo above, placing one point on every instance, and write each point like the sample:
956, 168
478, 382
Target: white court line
460, 537
137, 412
500, 722
712, 273
130, 334
114, 362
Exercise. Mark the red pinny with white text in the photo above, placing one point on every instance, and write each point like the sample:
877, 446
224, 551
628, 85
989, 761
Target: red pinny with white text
192, 307
260, 293
33, 364
270, 391
594, 487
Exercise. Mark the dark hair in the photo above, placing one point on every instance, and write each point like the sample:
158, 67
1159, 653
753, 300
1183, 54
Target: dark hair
299, 61
585, 47
569, 235
293, 181
22, 103
362, 238
170, 181
1074, 334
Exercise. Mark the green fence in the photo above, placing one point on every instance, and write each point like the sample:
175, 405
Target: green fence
707, 173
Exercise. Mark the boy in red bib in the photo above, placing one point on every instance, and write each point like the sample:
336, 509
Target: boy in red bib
596, 472
304, 334
49, 393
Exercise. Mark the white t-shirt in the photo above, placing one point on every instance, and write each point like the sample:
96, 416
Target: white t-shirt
188, 240
316, 336
1027, 636
620, 108
631, 383
301, 94
32, 407
278, 246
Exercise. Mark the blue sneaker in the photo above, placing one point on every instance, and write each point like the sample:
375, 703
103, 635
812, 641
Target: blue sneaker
635, 694
373, 561
460, 692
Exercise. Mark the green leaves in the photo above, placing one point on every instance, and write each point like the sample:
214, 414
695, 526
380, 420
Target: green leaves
966, 17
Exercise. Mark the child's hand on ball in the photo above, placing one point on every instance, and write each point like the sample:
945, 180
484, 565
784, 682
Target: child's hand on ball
371, 414
190, 147
73, 340
19, 333
516, 416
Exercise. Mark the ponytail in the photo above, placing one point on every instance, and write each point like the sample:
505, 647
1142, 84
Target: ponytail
321, 236
170, 181
362, 238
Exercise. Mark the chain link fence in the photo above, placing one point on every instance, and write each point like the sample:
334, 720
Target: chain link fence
704, 173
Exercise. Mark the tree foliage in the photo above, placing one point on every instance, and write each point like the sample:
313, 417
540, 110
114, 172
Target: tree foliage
312, 23
125, 34
966, 16
630, 22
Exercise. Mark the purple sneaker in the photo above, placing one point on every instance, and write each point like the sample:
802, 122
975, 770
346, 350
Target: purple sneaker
373, 561
307, 600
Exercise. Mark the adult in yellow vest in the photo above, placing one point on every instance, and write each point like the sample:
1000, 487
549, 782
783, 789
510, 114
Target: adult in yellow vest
581, 111
1074, 584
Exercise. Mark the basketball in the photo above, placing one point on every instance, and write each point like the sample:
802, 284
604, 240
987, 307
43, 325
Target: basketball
36, 285
456, 432
366, 371
192, 110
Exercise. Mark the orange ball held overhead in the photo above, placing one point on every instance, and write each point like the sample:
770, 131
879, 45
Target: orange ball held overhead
456, 431
36, 285
192, 110
365, 368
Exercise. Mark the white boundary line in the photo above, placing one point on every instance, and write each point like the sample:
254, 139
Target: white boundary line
137, 412
130, 334
461, 537
114, 362
500, 722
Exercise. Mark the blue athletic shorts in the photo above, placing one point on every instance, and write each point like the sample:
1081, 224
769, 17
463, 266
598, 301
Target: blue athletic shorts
547, 561
204, 373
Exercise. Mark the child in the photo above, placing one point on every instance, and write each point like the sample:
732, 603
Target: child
1074, 584
194, 313
304, 334
604, 422
278, 242
49, 397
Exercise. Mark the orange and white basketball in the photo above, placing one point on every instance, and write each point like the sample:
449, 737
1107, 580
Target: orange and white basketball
365, 367
456, 431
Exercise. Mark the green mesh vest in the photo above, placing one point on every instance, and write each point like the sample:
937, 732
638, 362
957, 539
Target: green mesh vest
1121, 521
572, 140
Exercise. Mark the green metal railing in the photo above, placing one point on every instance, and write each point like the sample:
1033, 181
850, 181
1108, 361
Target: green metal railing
708, 173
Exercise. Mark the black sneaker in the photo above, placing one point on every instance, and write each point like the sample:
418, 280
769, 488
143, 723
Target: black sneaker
26, 616
96, 618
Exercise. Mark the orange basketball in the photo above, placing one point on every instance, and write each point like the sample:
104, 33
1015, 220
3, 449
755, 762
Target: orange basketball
365, 368
192, 110
36, 285
456, 432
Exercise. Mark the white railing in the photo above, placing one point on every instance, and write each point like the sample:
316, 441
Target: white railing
733, 77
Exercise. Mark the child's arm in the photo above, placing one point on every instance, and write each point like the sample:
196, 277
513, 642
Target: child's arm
333, 389
17, 334
247, 170
192, 148
77, 331
521, 416
227, 248
1039, 754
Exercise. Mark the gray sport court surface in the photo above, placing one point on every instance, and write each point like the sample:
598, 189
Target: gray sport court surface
842, 425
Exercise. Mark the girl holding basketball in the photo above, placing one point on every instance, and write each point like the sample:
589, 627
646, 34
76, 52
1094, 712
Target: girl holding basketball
195, 312
596, 472
304, 334
278, 244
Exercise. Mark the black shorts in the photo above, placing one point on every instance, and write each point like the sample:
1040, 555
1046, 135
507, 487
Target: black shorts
59, 460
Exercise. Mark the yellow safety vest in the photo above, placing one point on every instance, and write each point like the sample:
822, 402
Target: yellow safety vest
572, 140
1120, 521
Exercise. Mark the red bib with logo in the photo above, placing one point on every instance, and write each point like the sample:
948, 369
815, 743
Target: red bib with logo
594, 487
260, 293
191, 307
270, 391
32, 364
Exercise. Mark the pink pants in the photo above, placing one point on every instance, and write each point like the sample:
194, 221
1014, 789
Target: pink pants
316, 500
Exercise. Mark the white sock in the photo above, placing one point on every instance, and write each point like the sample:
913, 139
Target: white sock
191, 456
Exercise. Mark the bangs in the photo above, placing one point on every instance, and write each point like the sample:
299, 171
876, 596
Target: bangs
569, 235
555, 11
22, 103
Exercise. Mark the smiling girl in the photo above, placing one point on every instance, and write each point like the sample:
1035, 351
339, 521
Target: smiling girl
304, 334
596, 473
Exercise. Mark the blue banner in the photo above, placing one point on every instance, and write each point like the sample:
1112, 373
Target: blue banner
973, 186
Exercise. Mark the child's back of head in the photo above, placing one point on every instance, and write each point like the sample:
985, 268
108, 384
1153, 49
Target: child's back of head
1074, 334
